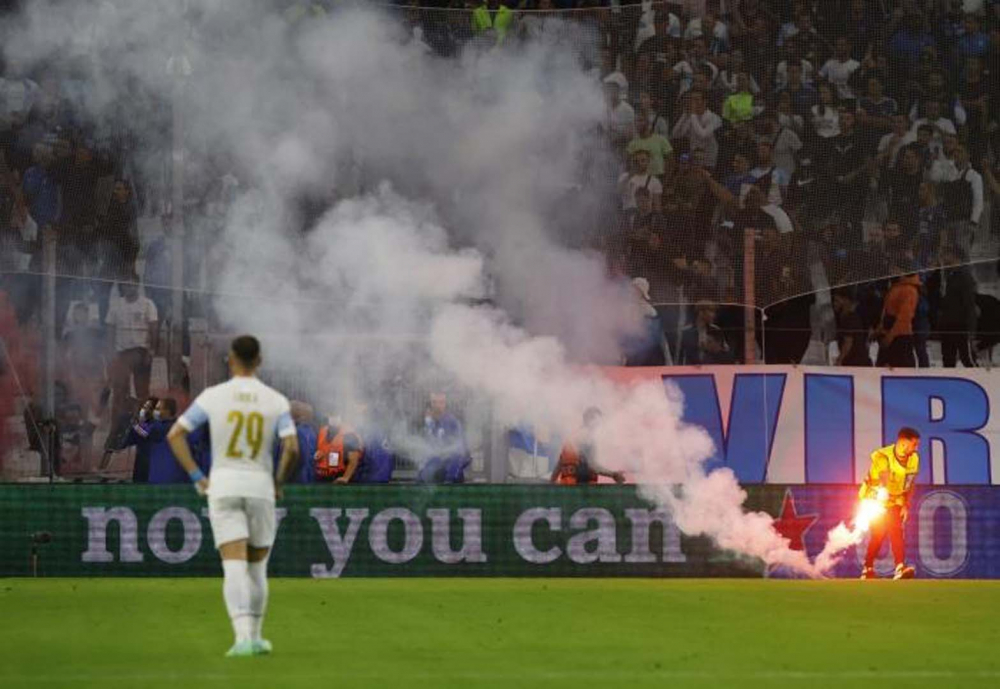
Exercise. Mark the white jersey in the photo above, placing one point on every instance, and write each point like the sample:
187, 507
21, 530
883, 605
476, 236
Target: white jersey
246, 419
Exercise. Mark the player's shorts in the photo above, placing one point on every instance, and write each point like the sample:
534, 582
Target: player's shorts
237, 519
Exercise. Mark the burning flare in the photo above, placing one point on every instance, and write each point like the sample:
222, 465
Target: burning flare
869, 510
841, 538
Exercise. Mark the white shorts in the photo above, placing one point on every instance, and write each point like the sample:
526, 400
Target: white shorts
237, 519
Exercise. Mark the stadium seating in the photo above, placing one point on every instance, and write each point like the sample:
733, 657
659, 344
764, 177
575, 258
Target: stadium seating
759, 158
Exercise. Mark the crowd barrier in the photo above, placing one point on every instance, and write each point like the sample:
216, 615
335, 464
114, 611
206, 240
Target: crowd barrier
472, 530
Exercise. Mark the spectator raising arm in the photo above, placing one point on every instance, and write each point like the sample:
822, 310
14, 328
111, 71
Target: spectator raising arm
720, 192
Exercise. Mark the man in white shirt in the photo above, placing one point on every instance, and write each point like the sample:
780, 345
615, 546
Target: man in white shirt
698, 125
839, 69
695, 62
17, 96
711, 28
133, 330
801, 26
782, 72
892, 143
652, 23
245, 418
943, 168
647, 110
621, 117
942, 125
784, 141
938, 90
640, 178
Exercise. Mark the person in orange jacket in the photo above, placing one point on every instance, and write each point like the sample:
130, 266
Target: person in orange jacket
576, 464
896, 330
339, 452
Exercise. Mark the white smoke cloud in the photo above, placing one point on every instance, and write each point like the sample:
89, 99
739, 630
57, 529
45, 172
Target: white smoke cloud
463, 166
838, 540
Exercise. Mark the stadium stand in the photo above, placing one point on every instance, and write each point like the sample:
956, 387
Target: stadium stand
759, 159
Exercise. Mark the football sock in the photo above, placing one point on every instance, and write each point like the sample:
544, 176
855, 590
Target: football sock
236, 591
258, 596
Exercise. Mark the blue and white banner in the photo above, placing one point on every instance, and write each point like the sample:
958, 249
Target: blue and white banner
819, 425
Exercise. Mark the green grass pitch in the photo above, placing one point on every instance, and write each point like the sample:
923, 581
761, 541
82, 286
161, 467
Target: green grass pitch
151, 633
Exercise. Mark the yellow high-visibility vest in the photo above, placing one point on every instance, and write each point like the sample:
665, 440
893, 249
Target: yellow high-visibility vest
482, 20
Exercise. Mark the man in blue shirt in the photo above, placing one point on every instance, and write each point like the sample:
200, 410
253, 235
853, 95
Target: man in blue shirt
448, 456
908, 42
972, 43
379, 461
41, 189
149, 435
140, 467
302, 415
200, 440
804, 95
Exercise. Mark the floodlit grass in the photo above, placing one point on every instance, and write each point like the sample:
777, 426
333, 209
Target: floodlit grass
515, 633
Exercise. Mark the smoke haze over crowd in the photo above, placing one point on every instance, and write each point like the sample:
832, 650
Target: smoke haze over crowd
439, 181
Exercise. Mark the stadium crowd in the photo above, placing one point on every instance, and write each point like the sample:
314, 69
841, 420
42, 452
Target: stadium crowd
853, 140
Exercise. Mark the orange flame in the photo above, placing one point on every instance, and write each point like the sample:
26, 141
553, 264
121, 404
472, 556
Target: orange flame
868, 511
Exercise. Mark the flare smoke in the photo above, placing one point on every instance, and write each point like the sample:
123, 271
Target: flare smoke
441, 181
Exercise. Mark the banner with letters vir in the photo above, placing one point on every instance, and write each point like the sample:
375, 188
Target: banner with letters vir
474, 530
819, 425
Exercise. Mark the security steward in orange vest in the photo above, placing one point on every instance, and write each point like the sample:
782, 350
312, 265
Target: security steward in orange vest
576, 464
339, 452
